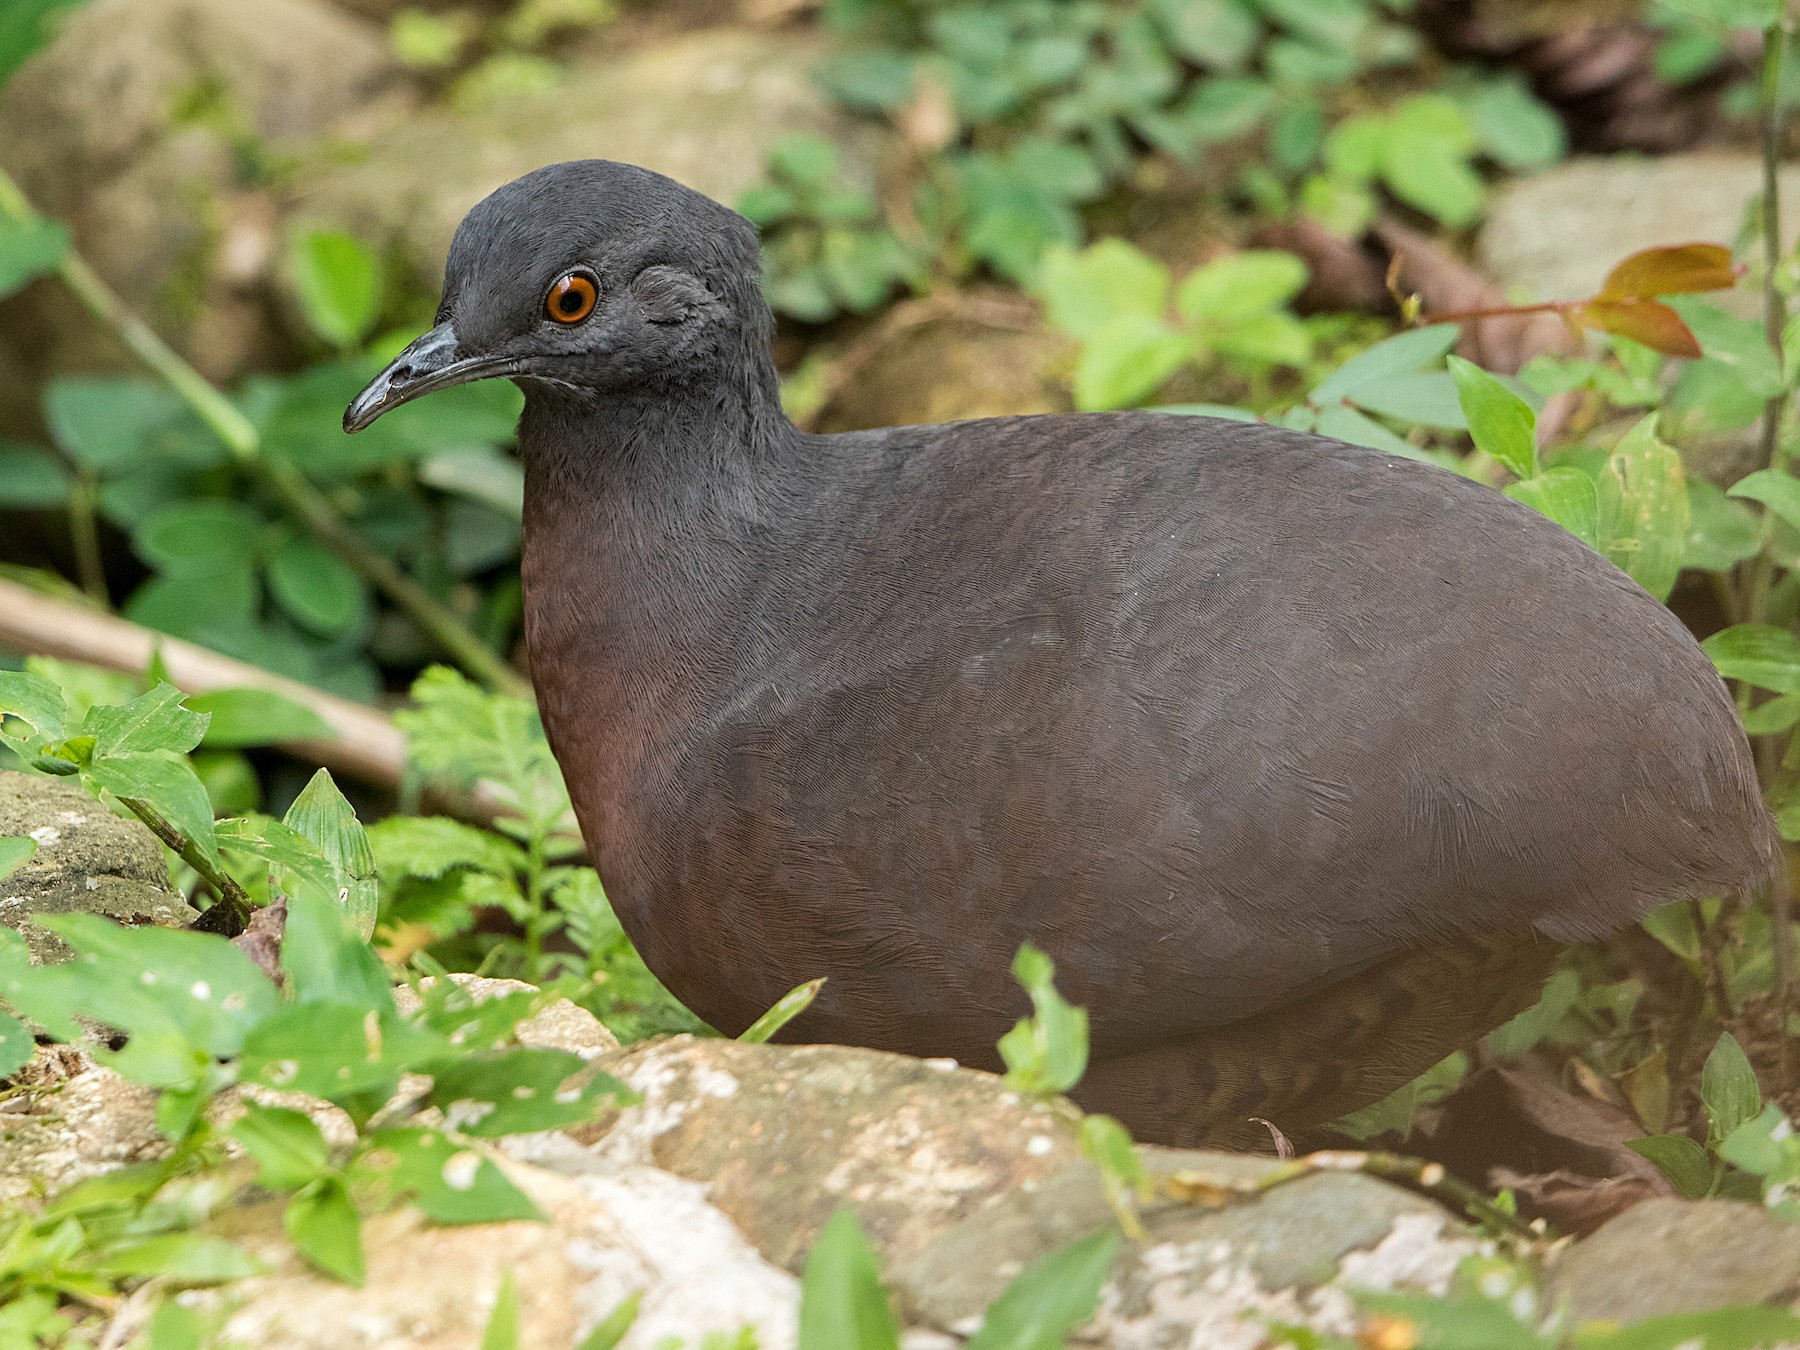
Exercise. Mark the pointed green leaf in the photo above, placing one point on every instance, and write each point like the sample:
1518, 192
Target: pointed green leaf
1729, 1088
168, 785
1566, 496
1501, 423
1757, 654
323, 1225
1050, 1298
789, 1006
36, 701
321, 814
842, 1303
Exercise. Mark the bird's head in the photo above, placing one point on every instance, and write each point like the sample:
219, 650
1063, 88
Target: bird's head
589, 278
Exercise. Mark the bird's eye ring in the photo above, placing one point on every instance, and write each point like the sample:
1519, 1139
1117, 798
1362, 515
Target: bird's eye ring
572, 298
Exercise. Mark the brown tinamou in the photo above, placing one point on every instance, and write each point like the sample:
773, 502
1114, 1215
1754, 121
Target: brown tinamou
1297, 757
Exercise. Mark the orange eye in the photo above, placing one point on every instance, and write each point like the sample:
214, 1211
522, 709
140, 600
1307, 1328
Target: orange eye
572, 298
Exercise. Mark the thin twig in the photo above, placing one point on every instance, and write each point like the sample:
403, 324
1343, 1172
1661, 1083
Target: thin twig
84, 535
296, 493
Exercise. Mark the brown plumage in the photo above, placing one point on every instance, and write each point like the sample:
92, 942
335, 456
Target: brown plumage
1296, 757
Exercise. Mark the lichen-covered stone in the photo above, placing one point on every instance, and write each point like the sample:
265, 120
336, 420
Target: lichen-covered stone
87, 860
1674, 1256
67, 1119
561, 1026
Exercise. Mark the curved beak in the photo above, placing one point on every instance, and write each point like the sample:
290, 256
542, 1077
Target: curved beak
431, 362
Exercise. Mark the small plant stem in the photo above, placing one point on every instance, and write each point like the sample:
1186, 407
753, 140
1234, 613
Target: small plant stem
1773, 449
233, 899
84, 536
534, 902
297, 495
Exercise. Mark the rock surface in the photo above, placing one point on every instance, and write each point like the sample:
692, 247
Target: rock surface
560, 1026
87, 859
1556, 234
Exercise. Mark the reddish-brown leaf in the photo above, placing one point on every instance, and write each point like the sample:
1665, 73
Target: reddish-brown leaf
1676, 270
1647, 321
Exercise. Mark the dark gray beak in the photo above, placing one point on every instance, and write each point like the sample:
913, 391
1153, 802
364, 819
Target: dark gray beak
431, 362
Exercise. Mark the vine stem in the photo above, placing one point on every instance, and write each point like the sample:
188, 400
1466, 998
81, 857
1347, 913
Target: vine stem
232, 914
296, 493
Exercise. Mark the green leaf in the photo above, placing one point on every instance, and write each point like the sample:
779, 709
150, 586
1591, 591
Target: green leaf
181, 1258
16, 1045
320, 813
1502, 424
155, 720
842, 1303
1219, 34
1050, 1298
203, 535
1721, 533
1428, 398
14, 854
1679, 1159
1566, 496
430, 846
286, 1146
1425, 159
101, 422
459, 733
249, 717
1240, 286
36, 701
611, 1329
1729, 1088
1729, 13
339, 283
1762, 1146
1745, 1328
317, 589
1047, 1052
1516, 127
1777, 715
1768, 658
323, 1225
1778, 491
502, 1331
28, 249
335, 1050
483, 476
1644, 509
1737, 343
519, 1092
31, 479
449, 1181
1127, 361
1403, 354
150, 979
168, 785
1085, 292
789, 1006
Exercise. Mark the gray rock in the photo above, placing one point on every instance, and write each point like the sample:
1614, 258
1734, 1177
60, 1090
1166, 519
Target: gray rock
703, 107
1676, 1256
1555, 235
561, 1025
87, 860
134, 126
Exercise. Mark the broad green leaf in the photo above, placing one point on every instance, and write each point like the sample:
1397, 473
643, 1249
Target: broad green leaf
15, 853
16, 1045
155, 720
1240, 286
1085, 292
248, 717
174, 1326
1050, 1298
1768, 658
1762, 1145
1729, 1088
181, 1258
101, 422
153, 978
1427, 397
321, 814
786, 1008
32, 479
1127, 361
1681, 1160
1729, 13
1516, 127
316, 588
1566, 496
1744, 1328
1778, 491
339, 284
612, 1328
1218, 34
202, 535
1425, 159
1527, 1030
520, 1091
1738, 343
1721, 532
449, 1181
36, 701
323, 1225
1403, 354
168, 785
502, 1330
285, 1144
326, 958
842, 1303
28, 249
1779, 714
25, 25
1502, 424
334, 1050
1644, 509
1276, 338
